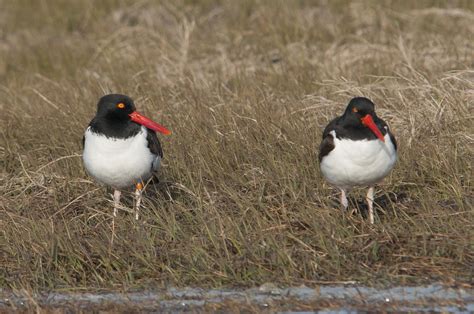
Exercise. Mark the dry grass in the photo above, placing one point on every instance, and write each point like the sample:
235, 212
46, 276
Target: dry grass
246, 87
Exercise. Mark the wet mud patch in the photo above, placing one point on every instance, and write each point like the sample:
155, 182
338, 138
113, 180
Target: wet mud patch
266, 298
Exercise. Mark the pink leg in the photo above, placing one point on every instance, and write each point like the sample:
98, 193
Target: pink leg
138, 198
370, 202
344, 201
117, 194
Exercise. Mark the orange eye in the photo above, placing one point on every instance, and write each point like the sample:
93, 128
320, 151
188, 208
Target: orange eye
121, 105
355, 109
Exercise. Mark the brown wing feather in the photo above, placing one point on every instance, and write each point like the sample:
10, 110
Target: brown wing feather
327, 145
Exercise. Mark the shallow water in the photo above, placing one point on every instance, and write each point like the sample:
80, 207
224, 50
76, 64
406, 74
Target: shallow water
322, 299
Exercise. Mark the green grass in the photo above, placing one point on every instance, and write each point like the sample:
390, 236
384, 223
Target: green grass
246, 87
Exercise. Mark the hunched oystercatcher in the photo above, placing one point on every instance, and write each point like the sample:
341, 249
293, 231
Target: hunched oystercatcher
357, 150
121, 148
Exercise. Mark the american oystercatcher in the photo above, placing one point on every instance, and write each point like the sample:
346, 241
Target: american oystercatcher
121, 148
357, 150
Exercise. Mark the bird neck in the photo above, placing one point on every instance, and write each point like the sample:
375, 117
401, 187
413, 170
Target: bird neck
114, 128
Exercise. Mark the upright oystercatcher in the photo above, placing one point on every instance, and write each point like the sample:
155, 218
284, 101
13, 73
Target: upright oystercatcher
121, 148
357, 150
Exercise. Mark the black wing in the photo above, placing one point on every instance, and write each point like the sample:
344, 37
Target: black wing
327, 145
153, 143
383, 126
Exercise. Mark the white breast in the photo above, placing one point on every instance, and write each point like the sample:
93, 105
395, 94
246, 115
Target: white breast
119, 163
358, 163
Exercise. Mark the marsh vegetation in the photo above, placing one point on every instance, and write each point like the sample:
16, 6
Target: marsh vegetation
247, 88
